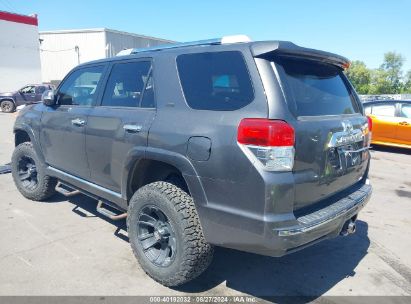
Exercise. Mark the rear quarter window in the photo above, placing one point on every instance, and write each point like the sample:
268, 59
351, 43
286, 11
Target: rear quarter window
215, 80
315, 88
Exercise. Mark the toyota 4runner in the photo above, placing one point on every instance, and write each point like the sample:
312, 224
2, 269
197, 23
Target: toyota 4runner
256, 146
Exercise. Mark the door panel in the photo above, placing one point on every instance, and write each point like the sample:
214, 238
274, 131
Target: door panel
63, 140
404, 125
39, 92
108, 142
29, 94
384, 128
384, 123
26, 94
120, 124
62, 135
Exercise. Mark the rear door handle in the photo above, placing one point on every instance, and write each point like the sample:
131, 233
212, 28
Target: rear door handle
403, 123
78, 122
132, 128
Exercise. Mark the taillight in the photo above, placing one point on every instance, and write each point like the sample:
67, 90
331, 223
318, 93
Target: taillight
265, 132
271, 142
369, 123
368, 142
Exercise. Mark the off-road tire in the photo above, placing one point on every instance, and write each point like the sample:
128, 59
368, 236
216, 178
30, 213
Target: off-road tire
7, 106
46, 185
193, 254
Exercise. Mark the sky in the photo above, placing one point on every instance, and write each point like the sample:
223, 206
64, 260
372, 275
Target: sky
357, 29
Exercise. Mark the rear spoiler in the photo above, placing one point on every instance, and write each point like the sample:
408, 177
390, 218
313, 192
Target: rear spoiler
264, 49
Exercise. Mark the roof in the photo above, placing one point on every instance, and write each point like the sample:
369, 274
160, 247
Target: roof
23, 19
98, 30
261, 49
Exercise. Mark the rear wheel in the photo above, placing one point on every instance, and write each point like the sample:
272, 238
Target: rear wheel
28, 174
165, 234
7, 106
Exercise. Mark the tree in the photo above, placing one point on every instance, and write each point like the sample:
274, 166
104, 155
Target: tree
390, 73
360, 77
387, 79
380, 83
407, 83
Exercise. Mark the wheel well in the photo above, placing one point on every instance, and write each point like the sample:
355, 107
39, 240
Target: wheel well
149, 171
20, 137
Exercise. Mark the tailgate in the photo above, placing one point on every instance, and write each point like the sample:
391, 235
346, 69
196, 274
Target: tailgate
330, 156
331, 134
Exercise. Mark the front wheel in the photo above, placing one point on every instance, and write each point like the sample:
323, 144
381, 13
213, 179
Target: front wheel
7, 106
165, 234
28, 174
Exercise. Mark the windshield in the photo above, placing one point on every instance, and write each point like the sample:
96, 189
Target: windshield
314, 88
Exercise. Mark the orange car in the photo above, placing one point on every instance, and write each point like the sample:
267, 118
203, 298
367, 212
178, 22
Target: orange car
391, 122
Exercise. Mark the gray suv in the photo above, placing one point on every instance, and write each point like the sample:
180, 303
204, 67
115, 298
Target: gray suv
256, 146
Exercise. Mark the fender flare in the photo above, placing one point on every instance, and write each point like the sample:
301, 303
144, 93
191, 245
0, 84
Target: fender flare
33, 139
174, 159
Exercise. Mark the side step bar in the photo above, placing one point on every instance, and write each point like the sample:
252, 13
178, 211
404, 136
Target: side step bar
66, 190
108, 213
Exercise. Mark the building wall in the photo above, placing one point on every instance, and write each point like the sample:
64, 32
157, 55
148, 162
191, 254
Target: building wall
19, 52
59, 53
118, 41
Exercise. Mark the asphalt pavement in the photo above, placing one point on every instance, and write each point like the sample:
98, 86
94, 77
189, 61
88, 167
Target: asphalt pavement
63, 247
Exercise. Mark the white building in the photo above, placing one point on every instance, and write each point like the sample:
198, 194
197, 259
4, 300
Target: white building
19, 51
63, 50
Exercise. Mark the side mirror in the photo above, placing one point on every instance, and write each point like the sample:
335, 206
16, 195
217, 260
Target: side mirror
48, 97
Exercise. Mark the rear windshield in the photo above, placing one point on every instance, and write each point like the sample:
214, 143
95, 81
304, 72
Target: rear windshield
215, 81
315, 88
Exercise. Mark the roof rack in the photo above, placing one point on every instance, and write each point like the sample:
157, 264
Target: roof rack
216, 41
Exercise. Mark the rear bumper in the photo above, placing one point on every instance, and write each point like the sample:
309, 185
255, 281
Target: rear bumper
321, 224
280, 233
320, 218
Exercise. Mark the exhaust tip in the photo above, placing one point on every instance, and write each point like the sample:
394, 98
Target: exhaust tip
349, 228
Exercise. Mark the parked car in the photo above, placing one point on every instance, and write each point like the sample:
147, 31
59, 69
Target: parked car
28, 94
391, 121
256, 146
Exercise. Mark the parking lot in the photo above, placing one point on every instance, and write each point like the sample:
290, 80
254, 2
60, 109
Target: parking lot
63, 247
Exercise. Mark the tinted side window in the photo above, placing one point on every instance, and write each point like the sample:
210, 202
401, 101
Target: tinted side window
80, 87
384, 110
28, 90
148, 95
40, 90
126, 84
215, 81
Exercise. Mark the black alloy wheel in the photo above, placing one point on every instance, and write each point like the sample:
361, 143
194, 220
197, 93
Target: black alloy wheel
156, 236
27, 172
